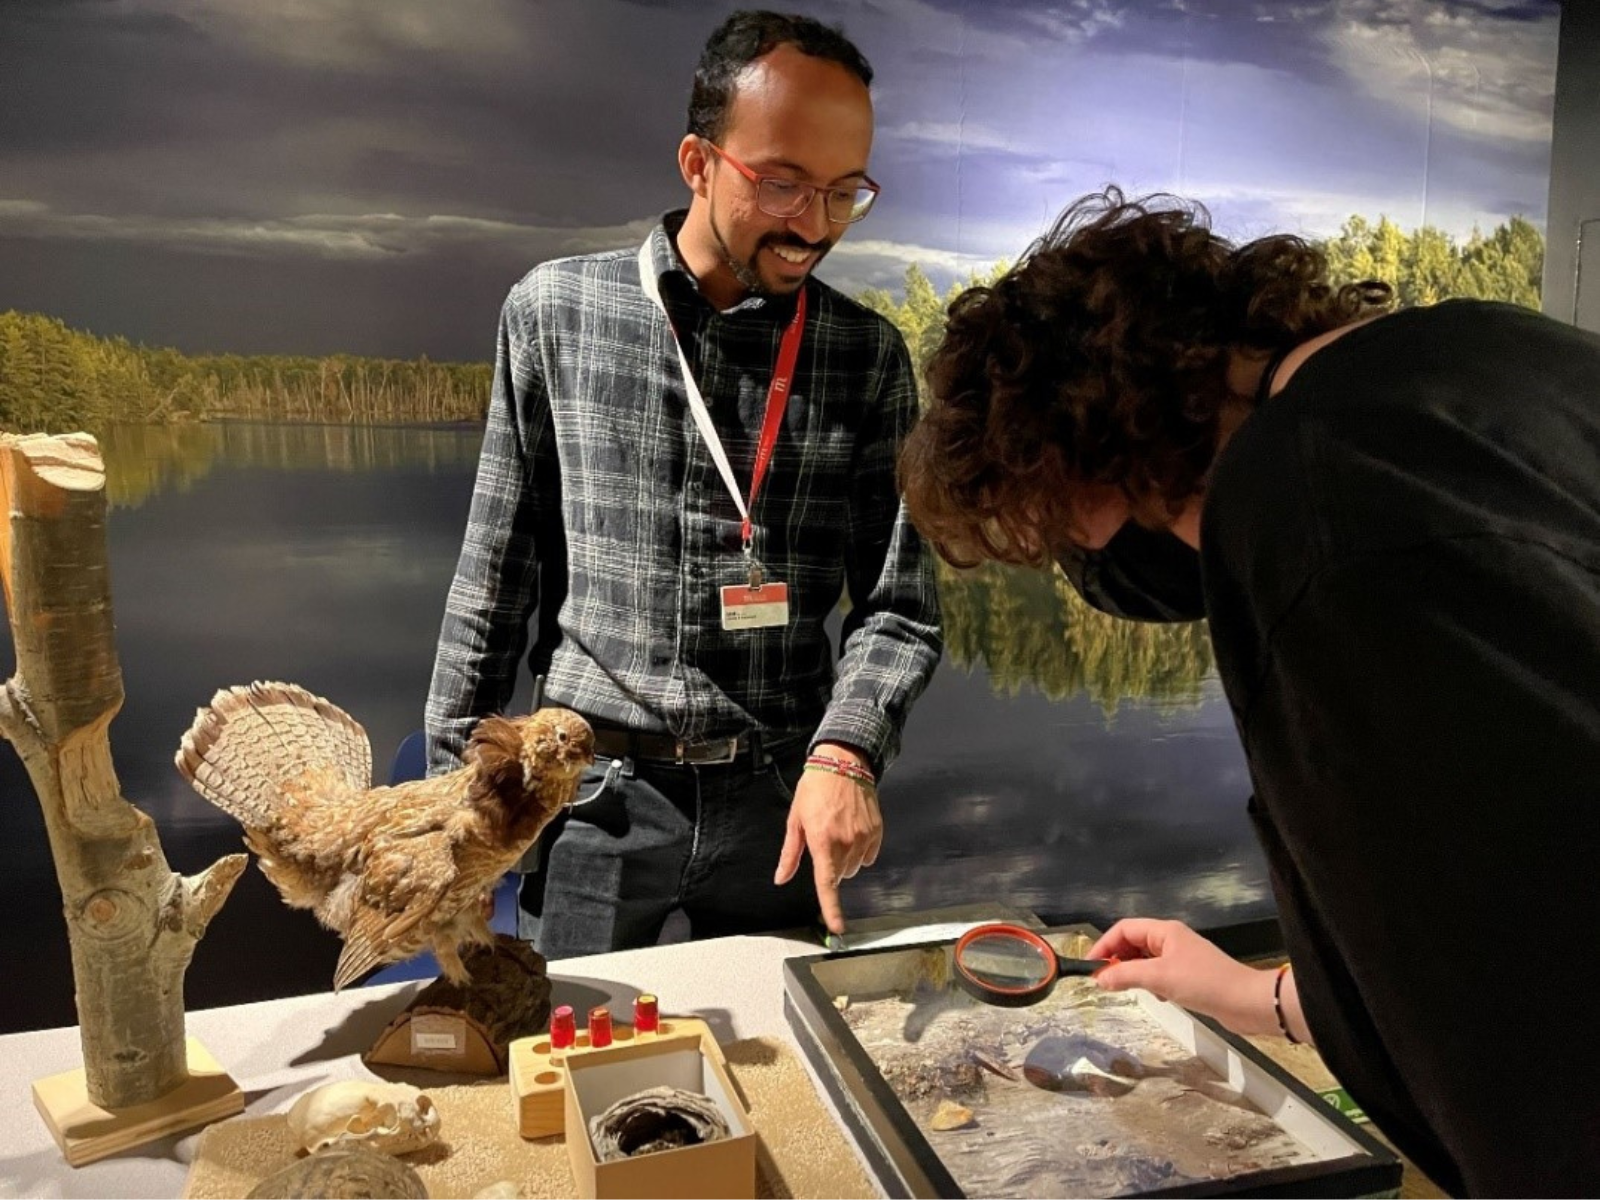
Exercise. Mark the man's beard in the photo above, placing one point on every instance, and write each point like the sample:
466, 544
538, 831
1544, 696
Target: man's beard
745, 272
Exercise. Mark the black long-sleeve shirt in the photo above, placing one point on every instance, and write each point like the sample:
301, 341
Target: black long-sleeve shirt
1401, 570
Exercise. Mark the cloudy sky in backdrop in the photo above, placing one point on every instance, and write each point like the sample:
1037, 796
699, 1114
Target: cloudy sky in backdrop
370, 176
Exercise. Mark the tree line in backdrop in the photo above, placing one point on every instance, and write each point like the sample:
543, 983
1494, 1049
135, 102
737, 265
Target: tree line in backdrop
1027, 628
55, 378
1424, 267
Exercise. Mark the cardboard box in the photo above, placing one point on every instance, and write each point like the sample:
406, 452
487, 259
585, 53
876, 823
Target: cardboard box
599, 1078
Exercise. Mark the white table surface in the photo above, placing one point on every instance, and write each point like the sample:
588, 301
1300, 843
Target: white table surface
276, 1049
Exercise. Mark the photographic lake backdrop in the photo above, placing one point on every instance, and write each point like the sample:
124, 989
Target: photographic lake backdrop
267, 275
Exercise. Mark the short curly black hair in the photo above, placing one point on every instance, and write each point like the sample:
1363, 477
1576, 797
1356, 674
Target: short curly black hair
1101, 359
746, 36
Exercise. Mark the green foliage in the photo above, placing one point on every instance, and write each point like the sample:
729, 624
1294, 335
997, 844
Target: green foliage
1032, 628
144, 459
1423, 267
1428, 265
920, 316
55, 379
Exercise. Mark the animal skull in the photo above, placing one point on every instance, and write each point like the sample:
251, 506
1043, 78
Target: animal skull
392, 1117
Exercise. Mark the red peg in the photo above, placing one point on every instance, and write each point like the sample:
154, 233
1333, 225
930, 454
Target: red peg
599, 1027
563, 1028
646, 1014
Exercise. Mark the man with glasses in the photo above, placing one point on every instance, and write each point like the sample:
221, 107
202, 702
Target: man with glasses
689, 460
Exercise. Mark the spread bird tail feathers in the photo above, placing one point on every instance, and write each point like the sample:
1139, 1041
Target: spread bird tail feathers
249, 741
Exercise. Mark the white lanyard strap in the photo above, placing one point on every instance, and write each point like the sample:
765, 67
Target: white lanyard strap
777, 396
697, 403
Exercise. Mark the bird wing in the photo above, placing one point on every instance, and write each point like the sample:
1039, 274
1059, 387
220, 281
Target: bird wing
250, 743
404, 881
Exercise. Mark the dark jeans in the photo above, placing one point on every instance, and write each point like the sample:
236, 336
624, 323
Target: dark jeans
661, 837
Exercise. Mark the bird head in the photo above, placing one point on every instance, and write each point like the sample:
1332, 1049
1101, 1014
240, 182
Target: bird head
554, 741
538, 757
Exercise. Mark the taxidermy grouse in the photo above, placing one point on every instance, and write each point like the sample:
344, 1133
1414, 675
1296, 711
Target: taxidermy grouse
391, 869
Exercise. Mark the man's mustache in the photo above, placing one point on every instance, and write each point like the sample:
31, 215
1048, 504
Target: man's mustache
793, 243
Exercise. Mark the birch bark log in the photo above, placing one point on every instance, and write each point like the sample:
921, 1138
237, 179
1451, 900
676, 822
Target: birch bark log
132, 921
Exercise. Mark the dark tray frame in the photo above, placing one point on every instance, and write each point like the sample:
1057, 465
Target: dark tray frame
905, 1164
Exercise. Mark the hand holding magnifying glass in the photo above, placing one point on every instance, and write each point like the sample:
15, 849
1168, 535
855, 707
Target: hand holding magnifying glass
1012, 966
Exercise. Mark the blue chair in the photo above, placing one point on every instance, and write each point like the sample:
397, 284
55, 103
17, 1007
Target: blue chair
411, 762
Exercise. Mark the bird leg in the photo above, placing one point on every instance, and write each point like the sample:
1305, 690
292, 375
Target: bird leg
469, 927
472, 925
444, 949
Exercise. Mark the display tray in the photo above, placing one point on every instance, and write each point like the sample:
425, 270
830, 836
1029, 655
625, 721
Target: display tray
1088, 1093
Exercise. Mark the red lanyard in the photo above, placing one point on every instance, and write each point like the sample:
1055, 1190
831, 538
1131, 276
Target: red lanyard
777, 395
777, 401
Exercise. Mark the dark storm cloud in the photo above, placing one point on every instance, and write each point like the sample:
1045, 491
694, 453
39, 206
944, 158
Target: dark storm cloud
334, 106
410, 142
1300, 38
72, 73
445, 139
262, 159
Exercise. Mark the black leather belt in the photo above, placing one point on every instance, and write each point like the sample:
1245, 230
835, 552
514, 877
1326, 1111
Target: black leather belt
663, 747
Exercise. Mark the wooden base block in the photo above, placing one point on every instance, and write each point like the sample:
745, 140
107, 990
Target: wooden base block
86, 1132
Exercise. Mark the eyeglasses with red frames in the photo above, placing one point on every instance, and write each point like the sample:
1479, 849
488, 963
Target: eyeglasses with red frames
789, 198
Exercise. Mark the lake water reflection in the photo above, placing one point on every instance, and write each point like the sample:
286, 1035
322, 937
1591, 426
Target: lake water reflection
1062, 762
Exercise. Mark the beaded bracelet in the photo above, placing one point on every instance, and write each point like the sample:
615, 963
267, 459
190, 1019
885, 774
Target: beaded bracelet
824, 762
841, 766
1277, 1004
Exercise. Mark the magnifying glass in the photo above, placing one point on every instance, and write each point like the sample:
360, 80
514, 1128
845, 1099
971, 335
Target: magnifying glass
1012, 966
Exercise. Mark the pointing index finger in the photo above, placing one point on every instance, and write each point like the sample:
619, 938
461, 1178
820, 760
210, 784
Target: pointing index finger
828, 894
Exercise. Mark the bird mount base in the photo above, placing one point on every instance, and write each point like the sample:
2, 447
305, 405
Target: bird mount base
469, 1028
87, 1133
438, 1039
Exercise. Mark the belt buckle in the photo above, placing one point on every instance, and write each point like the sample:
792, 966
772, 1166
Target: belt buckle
684, 752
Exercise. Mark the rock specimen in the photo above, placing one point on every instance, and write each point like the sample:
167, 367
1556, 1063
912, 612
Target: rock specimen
343, 1173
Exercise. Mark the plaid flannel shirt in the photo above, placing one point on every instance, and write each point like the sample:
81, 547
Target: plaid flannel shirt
598, 508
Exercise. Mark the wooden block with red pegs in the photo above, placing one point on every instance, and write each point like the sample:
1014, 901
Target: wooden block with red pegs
537, 1064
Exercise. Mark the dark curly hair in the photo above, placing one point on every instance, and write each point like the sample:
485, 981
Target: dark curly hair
745, 37
1101, 359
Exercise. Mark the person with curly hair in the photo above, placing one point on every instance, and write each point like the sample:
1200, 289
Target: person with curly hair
1391, 523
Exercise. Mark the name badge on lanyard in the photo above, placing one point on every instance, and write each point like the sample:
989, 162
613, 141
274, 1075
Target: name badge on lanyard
758, 602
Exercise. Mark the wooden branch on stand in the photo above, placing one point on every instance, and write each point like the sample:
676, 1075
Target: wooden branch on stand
133, 923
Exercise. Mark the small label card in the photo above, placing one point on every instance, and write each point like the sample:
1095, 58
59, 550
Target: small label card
1340, 1099
437, 1033
746, 607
